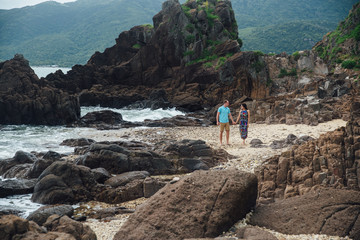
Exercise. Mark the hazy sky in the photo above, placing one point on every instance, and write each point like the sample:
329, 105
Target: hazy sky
8, 4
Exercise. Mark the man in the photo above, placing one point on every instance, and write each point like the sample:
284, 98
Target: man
222, 119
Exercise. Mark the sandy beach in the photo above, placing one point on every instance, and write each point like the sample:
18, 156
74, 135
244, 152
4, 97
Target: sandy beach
245, 157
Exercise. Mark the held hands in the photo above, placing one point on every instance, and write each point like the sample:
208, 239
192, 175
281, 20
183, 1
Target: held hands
217, 123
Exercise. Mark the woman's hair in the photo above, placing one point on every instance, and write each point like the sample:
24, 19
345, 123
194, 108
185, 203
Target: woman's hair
244, 105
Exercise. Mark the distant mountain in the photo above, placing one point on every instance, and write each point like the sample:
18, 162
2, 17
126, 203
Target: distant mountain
287, 25
68, 34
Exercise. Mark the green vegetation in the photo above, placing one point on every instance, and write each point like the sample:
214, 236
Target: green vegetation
189, 39
349, 64
137, 46
258, 66
190, 28
148, 26
208, 65
296, 55
188, 53
284, 72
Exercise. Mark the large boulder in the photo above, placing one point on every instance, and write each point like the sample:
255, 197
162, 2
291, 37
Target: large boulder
333, 212
64, 182
24, 99
203, 204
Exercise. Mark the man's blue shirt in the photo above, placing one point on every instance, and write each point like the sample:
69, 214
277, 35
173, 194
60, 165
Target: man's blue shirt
224, 114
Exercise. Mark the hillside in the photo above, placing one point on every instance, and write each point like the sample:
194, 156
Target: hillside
68, 34
280, 25
343, 44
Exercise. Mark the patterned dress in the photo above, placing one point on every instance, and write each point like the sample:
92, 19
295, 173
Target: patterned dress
243, 124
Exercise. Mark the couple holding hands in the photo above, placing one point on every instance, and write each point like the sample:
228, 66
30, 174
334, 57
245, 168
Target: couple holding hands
222, 119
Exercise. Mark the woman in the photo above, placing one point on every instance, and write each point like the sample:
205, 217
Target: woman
244, 117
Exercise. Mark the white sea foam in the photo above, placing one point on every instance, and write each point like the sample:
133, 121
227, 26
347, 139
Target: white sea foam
137, 115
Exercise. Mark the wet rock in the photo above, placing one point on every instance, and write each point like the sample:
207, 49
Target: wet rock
79, 142
11, 187
41, 215
195, 203
64, 182
333, 212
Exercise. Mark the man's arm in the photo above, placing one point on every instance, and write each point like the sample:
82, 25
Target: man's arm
217, 118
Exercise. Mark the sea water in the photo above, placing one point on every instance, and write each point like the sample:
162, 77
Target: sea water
43, 71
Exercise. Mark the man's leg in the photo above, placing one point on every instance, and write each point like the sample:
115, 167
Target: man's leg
222, 127
221, 133
227, 137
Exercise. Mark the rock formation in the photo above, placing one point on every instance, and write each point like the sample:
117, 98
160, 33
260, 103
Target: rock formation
332, 160
203, 204
24, 99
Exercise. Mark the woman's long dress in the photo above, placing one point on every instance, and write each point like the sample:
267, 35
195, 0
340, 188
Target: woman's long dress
243, 124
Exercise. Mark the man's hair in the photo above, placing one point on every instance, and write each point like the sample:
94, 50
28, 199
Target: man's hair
226, 101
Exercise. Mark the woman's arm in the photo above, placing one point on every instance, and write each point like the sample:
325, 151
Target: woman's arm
237, 120
248, 118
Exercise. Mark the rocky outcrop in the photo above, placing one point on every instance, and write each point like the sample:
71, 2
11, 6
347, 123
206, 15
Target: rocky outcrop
203, 204
24, 99
192, 54
332, 160
332, 212
56, 227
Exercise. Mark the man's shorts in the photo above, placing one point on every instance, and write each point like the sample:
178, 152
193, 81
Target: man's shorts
225, 126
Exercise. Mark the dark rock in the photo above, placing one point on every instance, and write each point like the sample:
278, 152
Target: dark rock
41, 215
290, 139
24, 99
125, 178
303, 139
20, 158
130, 191
11, 187
333, 212
51, 155
256, 143
101, 174
277, 144
9, 212
102, 117
38, 167
79, 142
64, 182
203, 204
64, 224
151, 186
